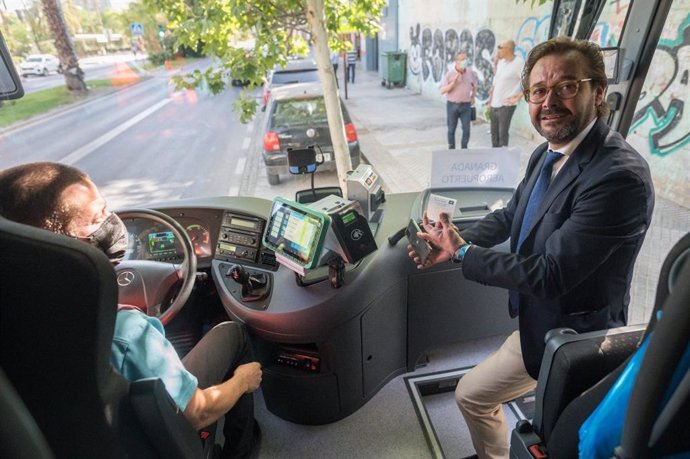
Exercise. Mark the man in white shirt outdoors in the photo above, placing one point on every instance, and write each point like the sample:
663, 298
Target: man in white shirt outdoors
505, 93
459, 85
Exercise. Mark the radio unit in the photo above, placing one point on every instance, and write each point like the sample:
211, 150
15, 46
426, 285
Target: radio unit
240, 238
236, 251
235, 237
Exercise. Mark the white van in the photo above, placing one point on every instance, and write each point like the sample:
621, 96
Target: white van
40, 64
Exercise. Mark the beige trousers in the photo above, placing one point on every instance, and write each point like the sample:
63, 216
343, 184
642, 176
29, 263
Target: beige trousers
480, 393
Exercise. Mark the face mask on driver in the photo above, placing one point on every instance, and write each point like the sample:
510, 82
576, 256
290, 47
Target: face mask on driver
111, 238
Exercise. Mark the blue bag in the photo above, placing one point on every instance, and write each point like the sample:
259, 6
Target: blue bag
602, 430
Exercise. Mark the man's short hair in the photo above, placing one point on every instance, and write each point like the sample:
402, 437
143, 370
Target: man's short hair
591, 52
32, 194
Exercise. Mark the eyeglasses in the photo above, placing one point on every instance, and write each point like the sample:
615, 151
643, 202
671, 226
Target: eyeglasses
564, 90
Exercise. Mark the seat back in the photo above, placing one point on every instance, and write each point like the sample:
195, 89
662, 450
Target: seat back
656, 421
57, 313
575, 362
20, 437
58, 301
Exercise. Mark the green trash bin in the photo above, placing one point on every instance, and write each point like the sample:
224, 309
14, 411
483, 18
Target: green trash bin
394, 65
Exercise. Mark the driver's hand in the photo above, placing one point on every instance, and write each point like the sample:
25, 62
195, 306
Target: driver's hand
249, 374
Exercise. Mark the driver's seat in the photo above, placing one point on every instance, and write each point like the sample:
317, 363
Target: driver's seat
58, 300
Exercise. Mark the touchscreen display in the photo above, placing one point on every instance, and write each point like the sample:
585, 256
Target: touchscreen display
296, 232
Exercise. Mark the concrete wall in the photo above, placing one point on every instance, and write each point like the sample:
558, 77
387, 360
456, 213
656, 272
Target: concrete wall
661, 130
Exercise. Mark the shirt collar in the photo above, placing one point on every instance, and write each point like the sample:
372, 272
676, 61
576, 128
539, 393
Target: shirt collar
573, 144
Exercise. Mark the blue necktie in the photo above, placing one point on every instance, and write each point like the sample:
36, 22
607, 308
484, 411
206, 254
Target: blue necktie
533, 204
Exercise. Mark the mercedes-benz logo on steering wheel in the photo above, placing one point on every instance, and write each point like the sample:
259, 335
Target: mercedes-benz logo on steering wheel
125, 278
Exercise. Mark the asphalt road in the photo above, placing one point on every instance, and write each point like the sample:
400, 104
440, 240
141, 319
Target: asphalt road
144, 143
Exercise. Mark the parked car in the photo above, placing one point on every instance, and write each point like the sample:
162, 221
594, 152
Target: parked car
299, 70
40, 64
296, 118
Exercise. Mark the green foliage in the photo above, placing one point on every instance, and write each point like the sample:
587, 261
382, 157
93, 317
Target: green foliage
277, 29
42, 101
160, 58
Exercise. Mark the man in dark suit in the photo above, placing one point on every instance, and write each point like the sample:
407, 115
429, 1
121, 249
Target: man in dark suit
576, 223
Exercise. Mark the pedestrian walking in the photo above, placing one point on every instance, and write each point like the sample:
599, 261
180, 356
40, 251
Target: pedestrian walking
459, 85
505, 93
351, 61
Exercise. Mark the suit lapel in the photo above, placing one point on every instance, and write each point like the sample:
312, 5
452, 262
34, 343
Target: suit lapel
565, 177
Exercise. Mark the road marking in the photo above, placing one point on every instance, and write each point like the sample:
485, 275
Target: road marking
245, 143
108, 136
250, 128
239, 169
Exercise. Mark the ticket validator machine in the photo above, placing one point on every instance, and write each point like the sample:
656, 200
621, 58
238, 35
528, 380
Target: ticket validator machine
365, 186
329, 232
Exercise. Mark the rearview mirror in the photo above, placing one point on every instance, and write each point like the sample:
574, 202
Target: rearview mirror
301, 161
10, 84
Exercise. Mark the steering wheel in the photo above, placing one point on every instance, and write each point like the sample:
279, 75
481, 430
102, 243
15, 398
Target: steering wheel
146, 283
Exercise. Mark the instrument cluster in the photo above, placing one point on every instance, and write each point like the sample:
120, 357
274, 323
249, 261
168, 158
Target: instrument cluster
156, 242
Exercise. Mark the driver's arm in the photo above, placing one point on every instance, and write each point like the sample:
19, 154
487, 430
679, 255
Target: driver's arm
208, 405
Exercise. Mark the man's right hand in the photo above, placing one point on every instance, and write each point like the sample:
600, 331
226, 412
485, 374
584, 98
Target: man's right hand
250, 374
444, 238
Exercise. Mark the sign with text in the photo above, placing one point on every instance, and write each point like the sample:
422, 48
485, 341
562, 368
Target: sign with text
475, 168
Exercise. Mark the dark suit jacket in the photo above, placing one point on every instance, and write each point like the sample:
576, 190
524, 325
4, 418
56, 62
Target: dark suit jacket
575, 266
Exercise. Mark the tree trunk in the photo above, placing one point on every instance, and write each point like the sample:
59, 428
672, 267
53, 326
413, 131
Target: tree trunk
74, 76
317, 23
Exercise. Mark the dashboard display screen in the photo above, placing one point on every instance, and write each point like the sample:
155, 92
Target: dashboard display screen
243, 223
296, 232
160, 243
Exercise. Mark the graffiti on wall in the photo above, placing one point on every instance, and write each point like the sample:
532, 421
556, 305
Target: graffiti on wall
660, 114
433, 51
661, 109
533, 30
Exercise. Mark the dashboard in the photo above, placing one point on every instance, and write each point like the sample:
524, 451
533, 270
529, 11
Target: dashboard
225, 235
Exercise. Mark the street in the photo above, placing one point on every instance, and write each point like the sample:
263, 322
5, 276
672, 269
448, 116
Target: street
148, 142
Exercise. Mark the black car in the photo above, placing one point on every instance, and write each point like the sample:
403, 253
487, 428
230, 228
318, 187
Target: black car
297, 70
296, 118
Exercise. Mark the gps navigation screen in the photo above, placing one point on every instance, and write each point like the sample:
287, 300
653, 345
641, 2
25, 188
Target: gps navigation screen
295, 233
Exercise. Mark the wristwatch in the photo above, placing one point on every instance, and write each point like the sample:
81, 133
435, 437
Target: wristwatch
460, 253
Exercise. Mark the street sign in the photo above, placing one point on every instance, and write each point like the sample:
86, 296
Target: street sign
136, 28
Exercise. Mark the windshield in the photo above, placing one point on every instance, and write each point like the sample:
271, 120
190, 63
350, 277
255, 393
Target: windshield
303, 76
299, 111
153, 124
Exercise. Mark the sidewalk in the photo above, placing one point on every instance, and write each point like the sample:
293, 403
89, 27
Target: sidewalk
398, 129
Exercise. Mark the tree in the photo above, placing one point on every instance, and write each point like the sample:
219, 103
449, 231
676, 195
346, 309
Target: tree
280, 28
74, 76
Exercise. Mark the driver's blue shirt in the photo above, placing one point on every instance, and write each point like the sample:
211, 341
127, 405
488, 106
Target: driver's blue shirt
141, 350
